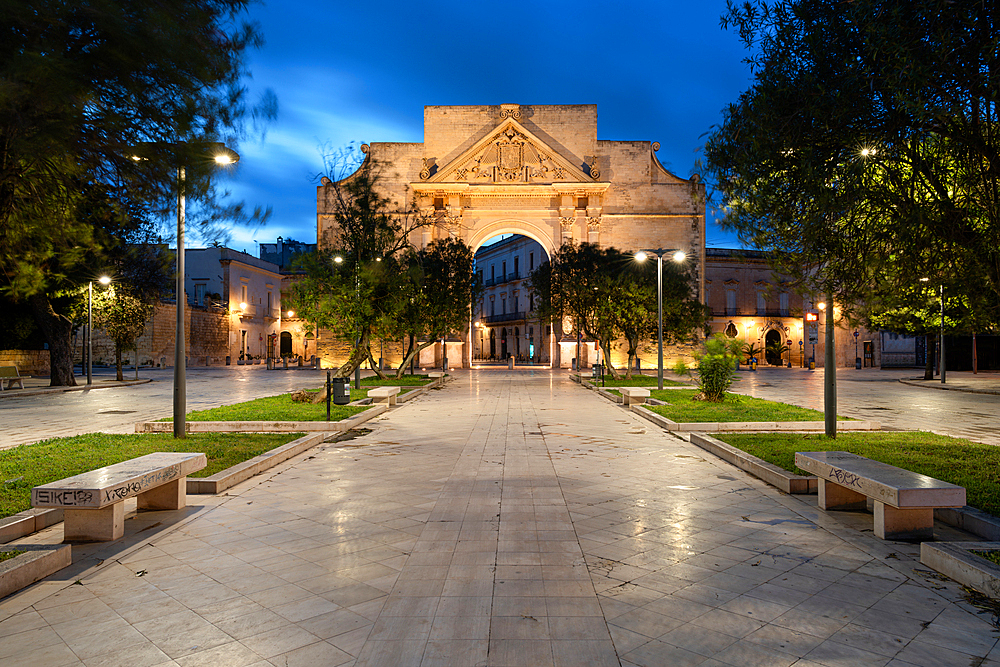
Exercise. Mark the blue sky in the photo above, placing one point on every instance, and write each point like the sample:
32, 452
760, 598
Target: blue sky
363, 71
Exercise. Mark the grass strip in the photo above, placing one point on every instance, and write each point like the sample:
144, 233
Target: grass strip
280, 408
637, 381
972, 465
7, 555
29, 466
735, 408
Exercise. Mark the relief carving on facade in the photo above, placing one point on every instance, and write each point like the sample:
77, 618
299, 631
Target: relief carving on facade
511, 158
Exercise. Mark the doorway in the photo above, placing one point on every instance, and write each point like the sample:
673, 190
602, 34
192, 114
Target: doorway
772, 342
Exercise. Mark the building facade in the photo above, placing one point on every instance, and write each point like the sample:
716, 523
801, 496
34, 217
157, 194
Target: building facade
505, 321
538, 171
755, 304
247, 289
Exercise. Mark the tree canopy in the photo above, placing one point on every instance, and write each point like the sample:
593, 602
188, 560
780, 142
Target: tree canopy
83, 87
610, 296
865, 153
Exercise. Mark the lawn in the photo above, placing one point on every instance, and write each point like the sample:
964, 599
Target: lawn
28, 466
963, 462
638, 381
405, 381
735, 408
280, 408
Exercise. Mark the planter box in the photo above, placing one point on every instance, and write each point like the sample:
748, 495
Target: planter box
956, 560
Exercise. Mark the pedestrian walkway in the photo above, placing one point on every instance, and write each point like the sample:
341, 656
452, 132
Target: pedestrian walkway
511, 518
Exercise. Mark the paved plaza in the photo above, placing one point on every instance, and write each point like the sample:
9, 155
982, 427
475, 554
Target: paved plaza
510, 518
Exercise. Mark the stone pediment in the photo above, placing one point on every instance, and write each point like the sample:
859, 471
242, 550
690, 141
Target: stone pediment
510, 154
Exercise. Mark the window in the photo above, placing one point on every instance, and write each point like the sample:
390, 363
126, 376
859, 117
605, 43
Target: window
199, 295
268, 304
243, 293
503, 274
438, 203
514, 306
531, 302
731, 302
503, 305
761, 303
493, 271
531, 261
582, 202
731, 330
516, 268
783, 303
493, 308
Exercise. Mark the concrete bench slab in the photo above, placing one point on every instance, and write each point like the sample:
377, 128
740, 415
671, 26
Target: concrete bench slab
93, 502
384, 395
633, 395
904, 501
10, 375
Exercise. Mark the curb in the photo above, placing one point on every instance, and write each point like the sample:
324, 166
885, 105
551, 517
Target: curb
41, 391
957, 561
923, 384
770, 473
233, 475
37, 562
722, 427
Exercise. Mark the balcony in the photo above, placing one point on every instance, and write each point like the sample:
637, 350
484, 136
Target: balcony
501, 279
507, 317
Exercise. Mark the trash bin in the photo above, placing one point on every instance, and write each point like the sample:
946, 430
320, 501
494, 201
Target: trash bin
510, 363
812, 364
857, 363
341, 389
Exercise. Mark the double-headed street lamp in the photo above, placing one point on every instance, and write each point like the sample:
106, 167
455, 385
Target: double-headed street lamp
678, 256
222, 156
104, 280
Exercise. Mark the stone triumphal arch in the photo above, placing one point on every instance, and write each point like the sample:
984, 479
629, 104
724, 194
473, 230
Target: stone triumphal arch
542, 172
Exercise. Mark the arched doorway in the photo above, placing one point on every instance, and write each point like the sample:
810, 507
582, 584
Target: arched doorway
772, 341
493, 343
286, 344
503, 343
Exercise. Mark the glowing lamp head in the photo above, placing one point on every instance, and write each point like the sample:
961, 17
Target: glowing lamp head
291, 313
641, 256
223, 158
338, 259
924, 280
104, 280
679, 256
243, 305
821, 305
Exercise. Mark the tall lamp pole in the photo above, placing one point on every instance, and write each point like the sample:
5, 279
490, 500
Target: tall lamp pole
942, 335
104, 280
678, 256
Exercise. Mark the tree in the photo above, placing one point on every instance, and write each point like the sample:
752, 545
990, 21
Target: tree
81, 86
437, 298
357, 283
610, 296
141, 276
865, 153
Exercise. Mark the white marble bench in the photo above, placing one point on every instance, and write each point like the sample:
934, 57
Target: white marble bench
94, 502
634, 395
904, 501
435, 374
386, 395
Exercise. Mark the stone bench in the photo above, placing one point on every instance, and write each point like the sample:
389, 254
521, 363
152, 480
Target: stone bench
634, 395
10, 375
435, 374
384, 395
904, 501
94, 502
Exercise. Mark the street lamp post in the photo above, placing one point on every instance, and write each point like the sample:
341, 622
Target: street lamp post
942, 335
678, 256
104, 280
222, 156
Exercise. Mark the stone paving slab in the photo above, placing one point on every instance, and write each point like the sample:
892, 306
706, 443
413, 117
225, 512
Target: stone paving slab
511, 518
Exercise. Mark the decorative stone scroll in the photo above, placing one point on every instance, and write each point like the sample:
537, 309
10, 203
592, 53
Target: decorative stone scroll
425, 173
595, 173
510, 111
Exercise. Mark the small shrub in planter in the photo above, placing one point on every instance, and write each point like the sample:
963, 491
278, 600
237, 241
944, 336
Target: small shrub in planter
716, 367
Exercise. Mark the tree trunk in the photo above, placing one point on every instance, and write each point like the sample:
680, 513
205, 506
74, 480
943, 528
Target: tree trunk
357, 356
406, 356
929, 366
371, 362
414, 352
57, 329
606, 347
118, 362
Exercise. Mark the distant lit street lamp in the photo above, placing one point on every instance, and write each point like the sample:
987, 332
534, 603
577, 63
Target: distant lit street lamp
104, 280
678, 256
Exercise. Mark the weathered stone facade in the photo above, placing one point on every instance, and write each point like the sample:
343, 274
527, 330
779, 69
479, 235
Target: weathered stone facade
539, 171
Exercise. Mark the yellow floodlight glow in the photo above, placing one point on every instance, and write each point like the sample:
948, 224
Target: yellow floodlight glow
243, 305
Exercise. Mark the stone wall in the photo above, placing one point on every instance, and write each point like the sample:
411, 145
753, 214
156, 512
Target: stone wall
28, 362
207, 339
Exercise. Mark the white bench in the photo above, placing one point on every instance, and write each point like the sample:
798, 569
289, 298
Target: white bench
94, 502
386, 395
633, 395
10, 375
904, 501
435, 374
